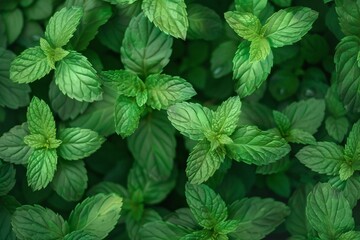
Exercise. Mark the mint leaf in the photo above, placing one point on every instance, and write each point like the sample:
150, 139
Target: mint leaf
40, 119
275, 167
259, 49
165, 90
254, 146
53, 54
348, 72
289, 25
337, 127
255, 224
300, 136
306, 115
349, 13
158, 230
7, 178
13, 21
127, 116
39, 141
148, 52
226, 116
191, 119
351, 152
200, 235
251, 6
153, 145
80, 235
328, 211
31, 222
96, 215
30, 65
7, 207
12, 146
78, 143
282, 122
249, 75
70, 180
203, 162
169, 16
350, 235
207, 207
245, 24
77, 79
324, 157
62, 26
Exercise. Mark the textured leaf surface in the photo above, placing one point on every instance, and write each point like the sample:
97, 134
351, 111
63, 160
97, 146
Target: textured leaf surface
246, 25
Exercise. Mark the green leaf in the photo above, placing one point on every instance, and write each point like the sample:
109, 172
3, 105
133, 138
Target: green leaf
80, 235
14, 22
30, 65
95, 14
207, 207
276, 167
324, 157
133, 227
351, 151
39, 10
282, 3
77, 79
203, 162
169, 16
254, 146
289, 25
251, 6
248, 75
7, 207
36, 222
158, 230
333, 103
13, 95
282, 122
350, 235
227, 227
279, 183
348, 72
190, 119
246, 25
204, 23
125, 82
329, 212
165, 90
258, 217
39, 141
346, 171
259, 49
41, 168
221, 59
53, 54
148, 52
127, 116
7, 178
12, 146
107, 188
40, 119
300, 136
337, 128
349, 16
200, 235
70, 180
96, 215
306, 115
153, 190
78, 143
62, 26
226, 116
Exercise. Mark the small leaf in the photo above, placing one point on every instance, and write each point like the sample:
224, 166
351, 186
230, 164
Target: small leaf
337, 127
282, 122
300, 136
352, 151
246, 25
259, 49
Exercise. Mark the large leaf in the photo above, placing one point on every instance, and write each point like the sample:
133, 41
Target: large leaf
349, 16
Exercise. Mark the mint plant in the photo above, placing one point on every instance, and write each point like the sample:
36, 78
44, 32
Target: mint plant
179, 119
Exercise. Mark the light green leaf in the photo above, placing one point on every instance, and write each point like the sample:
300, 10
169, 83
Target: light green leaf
350, 235
78, 143
40, 119
80, 235
348, 72
145, 49
7, 178
41, 168
259, 49
349, 16
289, 25
30, 65
191, 119
70, 180
300, 136
282, 122
245, 24
36, 222
248, 75
62, 26
39, 141
53, 54
337, 128
12, 146
227, 227
203, 162
258, 217
352, 151
254, 146
207, 207
77, 79
346, 171
169, 16
13, 95
125, 82
226, 116
107, 188
251, 6
306, 115
96, 215
324, 157
329, 212
165, 90
127, 116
